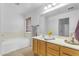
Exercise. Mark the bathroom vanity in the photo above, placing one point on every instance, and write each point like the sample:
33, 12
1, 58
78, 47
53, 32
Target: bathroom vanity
57, 47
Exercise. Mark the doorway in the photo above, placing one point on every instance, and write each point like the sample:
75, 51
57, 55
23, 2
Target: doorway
64, 27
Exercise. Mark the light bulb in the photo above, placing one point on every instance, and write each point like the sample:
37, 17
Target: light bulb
45, 8
49, 6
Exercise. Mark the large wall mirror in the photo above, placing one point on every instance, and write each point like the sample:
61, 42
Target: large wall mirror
64, 27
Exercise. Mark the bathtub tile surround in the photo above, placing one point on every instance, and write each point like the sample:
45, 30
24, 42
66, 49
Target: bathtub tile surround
29, 36
12, 41
11, 34
15, 35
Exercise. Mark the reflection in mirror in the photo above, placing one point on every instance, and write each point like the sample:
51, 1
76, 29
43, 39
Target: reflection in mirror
64, 27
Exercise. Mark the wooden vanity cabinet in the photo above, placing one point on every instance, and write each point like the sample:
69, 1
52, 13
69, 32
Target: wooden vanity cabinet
52, 49
39, 47
65, 51
43, 48
35, 46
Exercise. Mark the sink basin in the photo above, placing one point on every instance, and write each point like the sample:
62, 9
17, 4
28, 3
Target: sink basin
49, 38
71, 42
46, 37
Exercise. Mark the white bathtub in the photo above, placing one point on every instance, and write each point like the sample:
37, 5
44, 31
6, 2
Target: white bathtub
8, 45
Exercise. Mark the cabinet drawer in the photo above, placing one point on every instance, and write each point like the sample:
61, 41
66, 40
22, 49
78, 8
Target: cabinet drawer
52, 52
41, 42
69, 51
53, 46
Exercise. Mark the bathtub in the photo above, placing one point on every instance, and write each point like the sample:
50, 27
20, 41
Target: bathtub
12, 44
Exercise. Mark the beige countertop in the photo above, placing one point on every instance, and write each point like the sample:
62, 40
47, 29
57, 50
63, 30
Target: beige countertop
58, 40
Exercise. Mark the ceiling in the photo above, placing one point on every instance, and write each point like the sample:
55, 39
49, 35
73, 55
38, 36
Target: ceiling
64, 9
28, 7
24, 7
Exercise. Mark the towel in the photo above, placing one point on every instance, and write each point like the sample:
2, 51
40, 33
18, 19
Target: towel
77, 32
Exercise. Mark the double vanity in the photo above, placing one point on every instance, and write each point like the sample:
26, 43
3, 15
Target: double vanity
54, 47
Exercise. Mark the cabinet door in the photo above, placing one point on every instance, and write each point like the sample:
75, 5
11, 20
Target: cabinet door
52, 49
35, 46
51, 52
41, 48
64, 51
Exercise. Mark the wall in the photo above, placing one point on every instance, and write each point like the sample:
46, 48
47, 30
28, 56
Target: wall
53, 21
0, 28
37, 19
12, 21
0, 15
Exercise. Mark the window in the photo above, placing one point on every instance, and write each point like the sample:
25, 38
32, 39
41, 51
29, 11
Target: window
28, 25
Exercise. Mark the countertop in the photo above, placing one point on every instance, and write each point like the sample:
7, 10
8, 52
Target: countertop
58, 40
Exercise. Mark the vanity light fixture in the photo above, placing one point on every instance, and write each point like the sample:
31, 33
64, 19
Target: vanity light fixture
49, 6
56, 7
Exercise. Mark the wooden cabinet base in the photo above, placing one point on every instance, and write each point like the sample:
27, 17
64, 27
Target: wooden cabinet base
35, 54
35, 46
68, 52
39, 47
43, 48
